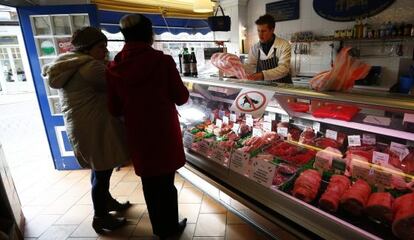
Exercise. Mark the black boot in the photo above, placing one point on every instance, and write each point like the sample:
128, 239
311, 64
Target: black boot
177, 231
114, 205
107, 222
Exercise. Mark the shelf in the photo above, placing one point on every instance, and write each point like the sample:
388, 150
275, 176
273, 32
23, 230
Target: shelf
47, 57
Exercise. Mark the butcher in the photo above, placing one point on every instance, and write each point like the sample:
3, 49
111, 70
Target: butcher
270, 57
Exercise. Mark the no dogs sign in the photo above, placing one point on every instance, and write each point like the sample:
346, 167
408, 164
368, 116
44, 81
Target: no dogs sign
252, 102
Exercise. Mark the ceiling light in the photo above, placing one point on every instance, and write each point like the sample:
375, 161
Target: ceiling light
202, 6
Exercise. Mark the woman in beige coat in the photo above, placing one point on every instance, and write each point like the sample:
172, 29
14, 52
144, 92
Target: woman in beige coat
96, 136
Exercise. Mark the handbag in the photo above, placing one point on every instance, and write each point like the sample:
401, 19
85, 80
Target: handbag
219, 23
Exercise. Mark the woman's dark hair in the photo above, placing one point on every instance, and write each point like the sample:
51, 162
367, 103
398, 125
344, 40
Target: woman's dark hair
266, 19
136, 28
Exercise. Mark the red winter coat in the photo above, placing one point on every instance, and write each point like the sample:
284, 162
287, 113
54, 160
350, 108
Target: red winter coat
144, 86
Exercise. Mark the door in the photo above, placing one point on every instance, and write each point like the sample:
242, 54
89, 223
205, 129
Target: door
47, 31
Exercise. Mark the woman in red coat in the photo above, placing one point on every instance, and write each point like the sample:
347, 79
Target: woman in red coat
144, 86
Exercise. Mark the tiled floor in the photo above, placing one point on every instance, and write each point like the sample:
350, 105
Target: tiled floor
59, 206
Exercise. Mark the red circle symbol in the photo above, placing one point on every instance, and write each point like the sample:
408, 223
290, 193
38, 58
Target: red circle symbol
255, 102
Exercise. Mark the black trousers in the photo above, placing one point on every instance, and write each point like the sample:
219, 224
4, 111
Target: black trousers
100, 191
162, 203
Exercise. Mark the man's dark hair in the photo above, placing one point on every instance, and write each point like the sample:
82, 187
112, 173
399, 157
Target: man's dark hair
137, 27
266, 19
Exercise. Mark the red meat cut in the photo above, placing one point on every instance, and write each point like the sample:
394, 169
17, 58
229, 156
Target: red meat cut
329, 201
379, 206
355, 198
403, 225
307, 185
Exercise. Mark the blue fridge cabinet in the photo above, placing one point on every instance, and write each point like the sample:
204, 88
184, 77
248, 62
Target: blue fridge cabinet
47, 31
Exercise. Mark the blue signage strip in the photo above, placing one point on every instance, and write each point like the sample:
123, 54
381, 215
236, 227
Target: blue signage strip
283, 10
349, 10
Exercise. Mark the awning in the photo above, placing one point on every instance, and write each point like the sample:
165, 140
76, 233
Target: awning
109, 20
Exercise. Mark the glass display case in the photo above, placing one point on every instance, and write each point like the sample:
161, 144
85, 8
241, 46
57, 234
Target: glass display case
345, 160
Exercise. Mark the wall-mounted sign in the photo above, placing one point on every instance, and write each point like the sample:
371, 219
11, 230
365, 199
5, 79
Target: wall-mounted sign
283, 10
349, 10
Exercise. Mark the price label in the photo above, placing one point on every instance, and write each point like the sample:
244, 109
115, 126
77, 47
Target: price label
267, 127
225, 120
239, 161
235, 127
249, 122
212, 117
262, 172
221, 113
331, 134
204, 148
380, 158
248, 116
282, 131
233, 117
316, 126
285, 118
219, 123
369, 139
399, 149
188, 139
354, 140
257, 132
219, 154
267, 118
382, 178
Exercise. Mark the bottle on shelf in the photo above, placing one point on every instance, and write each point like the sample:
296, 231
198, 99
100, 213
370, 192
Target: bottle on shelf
193, 64
382, 30
355, 32
365, 28
388, 29
360, 28
186, 63
180, 62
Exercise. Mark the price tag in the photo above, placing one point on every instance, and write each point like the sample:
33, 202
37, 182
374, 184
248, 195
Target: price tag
369, 139
285, 118
212, 117
282, 131
233, 117
316, 126
399, 149
272, 116
235, 127
188, 139
225, 120
262, 172
204, 148
267, 127
249, 122
239, 161
221, 113
248, 116
382, 178
219, 154
354, 140
267, 118
257, 132
331, 134
380, 158
219, 123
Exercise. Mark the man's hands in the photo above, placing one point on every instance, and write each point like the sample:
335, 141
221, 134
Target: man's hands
256, 76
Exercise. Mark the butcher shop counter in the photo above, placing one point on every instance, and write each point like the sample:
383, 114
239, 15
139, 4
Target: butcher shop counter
259, 159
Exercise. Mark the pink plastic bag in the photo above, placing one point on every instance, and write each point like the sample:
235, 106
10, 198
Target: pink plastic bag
230, 64
345, 71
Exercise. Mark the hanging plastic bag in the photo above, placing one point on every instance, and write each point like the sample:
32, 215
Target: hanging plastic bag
230, 64
345, 71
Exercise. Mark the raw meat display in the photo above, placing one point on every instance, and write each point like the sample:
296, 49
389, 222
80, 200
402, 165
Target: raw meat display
307, 185
329, 200
294, 132
355, 198
291, 153
324, 142
298, 106
307, 136
407, 164
403, 224
336, 111
229, 64
379, 206
323, 159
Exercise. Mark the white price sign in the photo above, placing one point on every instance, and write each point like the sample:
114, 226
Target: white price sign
354, 140
249, 122
235, 127
239, 162
316, 126
380, 158
225, 120
262, 172
219, 123
272, 116
257, 132
369, 139
248, 116
212, 117
282, 131
267, 118
267, 127
399, 149
233, 117
285, 118
331, 134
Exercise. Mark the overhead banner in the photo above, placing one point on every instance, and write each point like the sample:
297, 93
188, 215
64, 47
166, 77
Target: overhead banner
349, 10
252, 101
